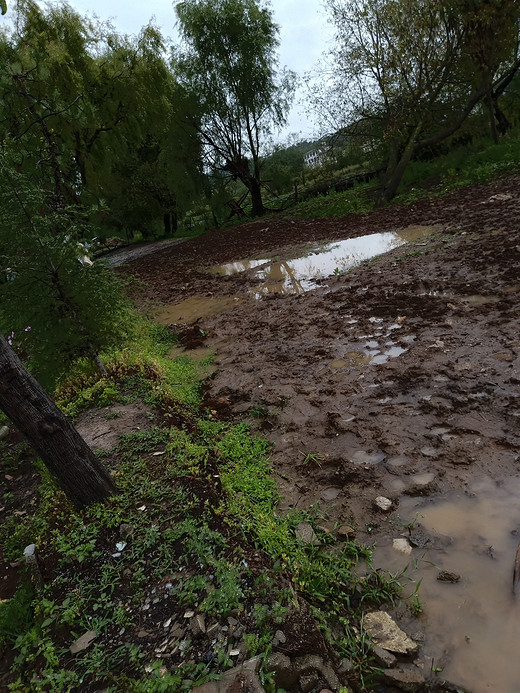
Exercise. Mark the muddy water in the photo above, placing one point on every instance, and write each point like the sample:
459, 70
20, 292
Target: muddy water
194, 309
298, 275
472, 627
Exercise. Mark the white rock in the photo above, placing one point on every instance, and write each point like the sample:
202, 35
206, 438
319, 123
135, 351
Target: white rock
403, 545
384, 504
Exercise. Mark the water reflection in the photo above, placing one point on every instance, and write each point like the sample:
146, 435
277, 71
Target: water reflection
297, 275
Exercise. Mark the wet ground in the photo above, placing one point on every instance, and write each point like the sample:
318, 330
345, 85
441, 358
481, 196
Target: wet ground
397, 378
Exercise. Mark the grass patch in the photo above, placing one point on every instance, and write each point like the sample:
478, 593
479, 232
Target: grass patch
192, 538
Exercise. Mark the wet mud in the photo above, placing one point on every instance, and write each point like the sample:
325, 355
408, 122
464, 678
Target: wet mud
399, 378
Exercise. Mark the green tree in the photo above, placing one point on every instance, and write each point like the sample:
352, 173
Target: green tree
228, 65
404, 71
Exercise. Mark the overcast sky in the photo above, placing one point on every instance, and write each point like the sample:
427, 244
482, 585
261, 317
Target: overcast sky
303, 36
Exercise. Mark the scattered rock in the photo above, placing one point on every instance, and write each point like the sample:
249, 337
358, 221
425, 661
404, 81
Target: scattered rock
126, 530
83, 642
403, 545
387, 634
308, 682
383, 658
384, 504
197, 625
447, 576
241, 678
212, 630
282, 669
307, 663
406, 677
305, 533
346, 532
279, 638
31, 559
419, 537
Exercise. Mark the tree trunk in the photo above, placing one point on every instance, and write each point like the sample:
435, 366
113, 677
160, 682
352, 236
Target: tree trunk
167, 224
256, 197
492, 121
64, 452
395, 174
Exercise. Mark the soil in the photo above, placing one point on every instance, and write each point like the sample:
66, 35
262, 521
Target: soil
347, 429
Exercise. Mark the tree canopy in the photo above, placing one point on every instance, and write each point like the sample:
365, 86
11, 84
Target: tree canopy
228, 64
408, 73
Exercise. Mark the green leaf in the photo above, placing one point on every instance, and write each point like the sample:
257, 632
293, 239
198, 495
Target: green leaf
3, 6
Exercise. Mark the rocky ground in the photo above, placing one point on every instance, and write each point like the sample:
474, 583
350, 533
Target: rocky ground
398, 378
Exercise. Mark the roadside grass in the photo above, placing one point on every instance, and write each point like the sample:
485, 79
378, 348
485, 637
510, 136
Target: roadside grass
192, 533
481, 162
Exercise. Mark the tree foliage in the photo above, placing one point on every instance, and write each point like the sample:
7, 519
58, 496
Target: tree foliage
405, 74
228, 64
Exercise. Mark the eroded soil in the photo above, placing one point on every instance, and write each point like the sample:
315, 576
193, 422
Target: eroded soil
400, 378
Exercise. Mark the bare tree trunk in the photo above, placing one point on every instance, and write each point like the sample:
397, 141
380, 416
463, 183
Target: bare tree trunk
256, 197
64, 452
393, 177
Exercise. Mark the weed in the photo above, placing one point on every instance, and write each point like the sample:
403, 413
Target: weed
312, 458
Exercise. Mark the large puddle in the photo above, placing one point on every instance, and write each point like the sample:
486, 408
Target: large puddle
472, 627
299, 275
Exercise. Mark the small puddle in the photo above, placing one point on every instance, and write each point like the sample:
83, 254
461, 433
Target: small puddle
472, 628
194, 308
371, 355
299, 274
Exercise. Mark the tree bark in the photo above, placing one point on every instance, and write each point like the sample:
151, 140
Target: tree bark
394, 176
64, 452
256, 197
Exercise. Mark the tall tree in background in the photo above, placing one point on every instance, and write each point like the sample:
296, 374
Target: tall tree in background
406, 71
229, 66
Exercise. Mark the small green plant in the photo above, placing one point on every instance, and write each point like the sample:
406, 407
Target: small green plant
312, 458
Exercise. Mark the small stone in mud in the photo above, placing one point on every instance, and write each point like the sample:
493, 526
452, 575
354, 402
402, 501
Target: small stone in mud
305, 533
346, 532
419, 537
447, 576
383, 658
387, 634
383, 504
402, 545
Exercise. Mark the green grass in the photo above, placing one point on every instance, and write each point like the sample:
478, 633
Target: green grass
199, 516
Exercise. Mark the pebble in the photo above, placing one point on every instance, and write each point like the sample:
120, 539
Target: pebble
384, 504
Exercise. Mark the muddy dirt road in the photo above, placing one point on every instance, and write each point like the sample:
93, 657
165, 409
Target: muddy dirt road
399, 378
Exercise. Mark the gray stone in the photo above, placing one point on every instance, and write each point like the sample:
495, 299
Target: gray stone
83, 642
279, 638
241, 678
282, 669
407, 678
447, 576
195, 625
346, 667
31, 559
4, 432
383, 658
308, 682
309, 662
305, 533
383, 504
387, 634
212, 630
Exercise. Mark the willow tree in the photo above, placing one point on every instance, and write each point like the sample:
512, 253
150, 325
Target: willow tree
228, 64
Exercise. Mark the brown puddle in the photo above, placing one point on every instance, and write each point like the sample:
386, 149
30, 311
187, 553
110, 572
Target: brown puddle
472, 628
194, 308
299, 274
